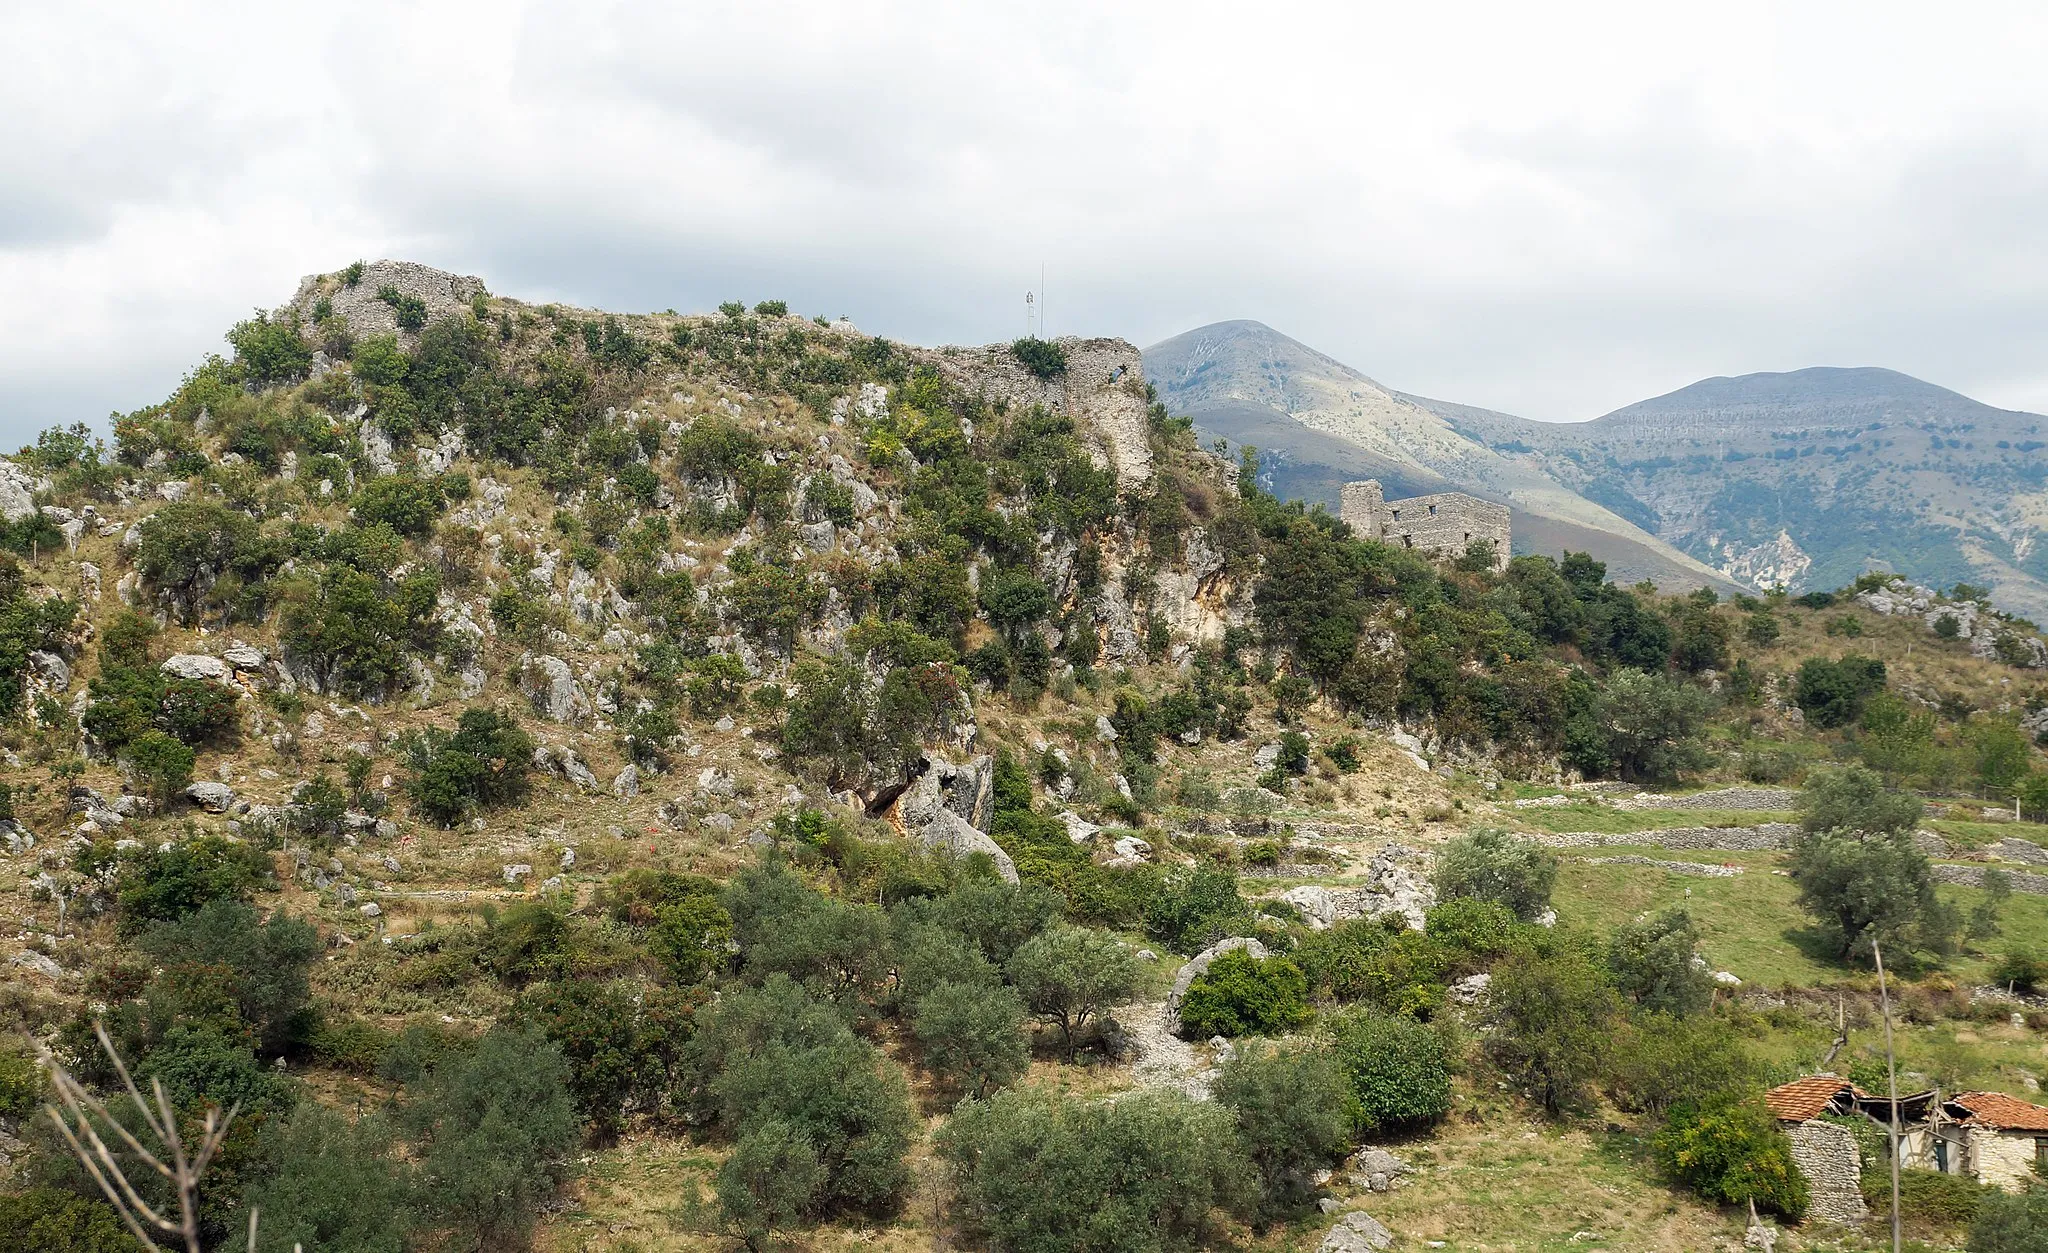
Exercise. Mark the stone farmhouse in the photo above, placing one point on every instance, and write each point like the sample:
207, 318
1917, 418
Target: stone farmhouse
1988, 1136
1442, 525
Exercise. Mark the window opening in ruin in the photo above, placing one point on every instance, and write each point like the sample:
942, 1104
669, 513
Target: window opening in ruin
1432, 511
1407, 541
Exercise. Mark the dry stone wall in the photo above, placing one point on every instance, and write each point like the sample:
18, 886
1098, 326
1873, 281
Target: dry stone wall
1826, 1155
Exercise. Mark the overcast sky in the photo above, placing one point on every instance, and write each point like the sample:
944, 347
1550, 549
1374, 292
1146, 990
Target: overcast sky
1553, 210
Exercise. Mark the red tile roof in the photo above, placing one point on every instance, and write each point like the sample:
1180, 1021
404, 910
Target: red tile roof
2002, 1112
1806, 1098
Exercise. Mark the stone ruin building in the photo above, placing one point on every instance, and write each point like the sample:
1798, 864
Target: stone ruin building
1443, 525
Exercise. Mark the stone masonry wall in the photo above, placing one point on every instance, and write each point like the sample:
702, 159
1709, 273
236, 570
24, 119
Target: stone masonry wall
1826, 1155
1104, 385
439, 290
1444, 524
2002, 1159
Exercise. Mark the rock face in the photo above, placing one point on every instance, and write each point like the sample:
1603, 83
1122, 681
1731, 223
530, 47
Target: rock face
1827, 1156
441, 292
560, 759
949, 808
1198, 966
17, 491
1356, 1232
1103, 386
551, 685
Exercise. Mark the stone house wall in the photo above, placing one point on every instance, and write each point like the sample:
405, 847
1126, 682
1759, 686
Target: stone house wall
2004, 1159
1444, 524
1827, 1156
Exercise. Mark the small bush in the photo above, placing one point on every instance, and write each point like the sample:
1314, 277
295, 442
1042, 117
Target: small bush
1244, 995
484, 763
411, 311
2011, 1224
1732, 1154
1492, 865
1294, 1114
49, 1220
164, 884
1929, 1196
1399, 1073
2021, 971
1043, 357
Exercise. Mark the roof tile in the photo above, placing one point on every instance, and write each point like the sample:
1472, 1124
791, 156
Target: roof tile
1806, 1098
2002, 1112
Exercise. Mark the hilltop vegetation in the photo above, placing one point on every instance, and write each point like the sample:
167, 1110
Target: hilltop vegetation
731, 778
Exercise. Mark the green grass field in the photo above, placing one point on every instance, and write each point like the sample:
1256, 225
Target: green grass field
1752, 924
1588, 817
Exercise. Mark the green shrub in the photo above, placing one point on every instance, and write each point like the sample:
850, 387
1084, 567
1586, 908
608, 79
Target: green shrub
2020, 970
1832, 693
1471, 934
21, 1087
483, 764
1294, 1113
27, 624
202, 1066
1244, 995
353, 1045
1397, 1068
270, 352
1856, 799
2011, 1224
494, 1128
49, 1220
269, 961
1196, 907
1552, 1018
1659, 1061
972, 1035
332, 1183
771, 1182
166, 883
1655, 963
1036, 1171
1929, 1196
623, 1046
1492, 865
772, 308
1876, 888
1732, 1154
406, 503
410, 310
1042, 357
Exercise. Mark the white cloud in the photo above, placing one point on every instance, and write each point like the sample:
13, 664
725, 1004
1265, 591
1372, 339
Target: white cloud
1550, 211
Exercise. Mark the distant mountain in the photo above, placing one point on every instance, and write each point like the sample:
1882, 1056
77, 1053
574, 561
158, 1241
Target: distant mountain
1318, 423
1811, 478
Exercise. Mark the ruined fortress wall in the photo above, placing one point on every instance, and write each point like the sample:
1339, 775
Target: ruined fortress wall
1444, 524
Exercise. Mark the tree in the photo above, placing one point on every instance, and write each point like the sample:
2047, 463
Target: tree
1877, 886
1895, 736
270, 352
769, 1183
1244, 995
973, 1036
1652, 724
161, 764
494, 1127
1854, 799
269, 964
1294, 1115
1552, 1017
1036, 1172
2000, 754
332, 1184
483, 763
1196, 907
1069, 975
1833, 693
1655, 963
163, 883
1491, 865
622, 1045
1398, 1071
1732, 1153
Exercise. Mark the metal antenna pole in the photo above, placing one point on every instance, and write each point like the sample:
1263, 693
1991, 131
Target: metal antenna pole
1891, 1067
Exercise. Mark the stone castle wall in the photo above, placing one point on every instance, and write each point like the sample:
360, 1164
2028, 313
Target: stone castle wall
1442, 525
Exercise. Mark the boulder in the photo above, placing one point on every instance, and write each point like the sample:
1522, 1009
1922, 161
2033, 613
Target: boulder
1079, 829
560, 759
214, 798
17, 492
198, 666
967, 790
517, 871
31, 960
626, 784
50, 668
947, 832
1356, 1232
243, 657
